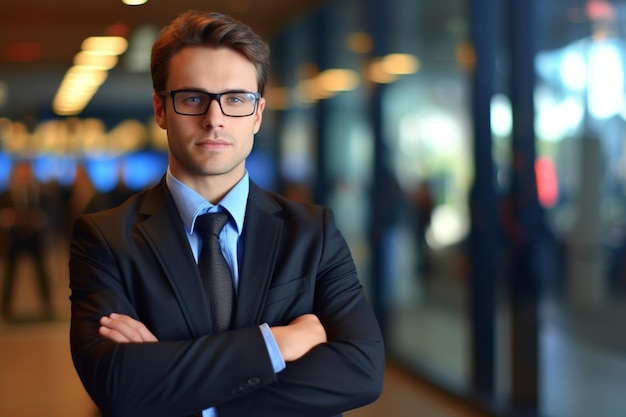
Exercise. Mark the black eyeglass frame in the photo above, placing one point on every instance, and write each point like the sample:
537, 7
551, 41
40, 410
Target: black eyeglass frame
212, 96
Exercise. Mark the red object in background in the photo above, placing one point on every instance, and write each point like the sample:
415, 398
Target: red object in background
599, 10
547, 182
22, 52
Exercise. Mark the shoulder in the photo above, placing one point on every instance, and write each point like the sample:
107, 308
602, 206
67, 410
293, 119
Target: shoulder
111, 219
284, 207
125, 216
297, 219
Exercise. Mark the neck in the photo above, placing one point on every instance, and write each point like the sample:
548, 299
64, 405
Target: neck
212, 187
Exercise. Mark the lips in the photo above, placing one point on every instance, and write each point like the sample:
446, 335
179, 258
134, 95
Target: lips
213, 142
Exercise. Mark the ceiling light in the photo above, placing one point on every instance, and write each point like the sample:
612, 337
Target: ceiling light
400, 64
338, 80
387, 69
94, 60
376, 73
85, 76
77, 88
113, 45
134, 2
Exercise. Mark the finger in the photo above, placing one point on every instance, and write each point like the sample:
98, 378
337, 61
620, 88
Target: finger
140, 331
146, 335
122, 325
129, 328
112, 335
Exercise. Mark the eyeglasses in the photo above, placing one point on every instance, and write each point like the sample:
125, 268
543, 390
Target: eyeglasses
196, 103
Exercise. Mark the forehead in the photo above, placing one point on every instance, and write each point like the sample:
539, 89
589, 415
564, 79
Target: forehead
210, 68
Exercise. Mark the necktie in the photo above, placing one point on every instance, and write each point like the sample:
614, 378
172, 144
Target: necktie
214, 271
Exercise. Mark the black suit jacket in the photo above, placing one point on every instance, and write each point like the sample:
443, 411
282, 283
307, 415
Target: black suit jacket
135, 259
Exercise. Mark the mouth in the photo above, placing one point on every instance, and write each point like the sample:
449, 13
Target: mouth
213, 143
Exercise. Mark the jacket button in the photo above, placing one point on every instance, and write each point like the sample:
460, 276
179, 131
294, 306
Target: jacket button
253, 381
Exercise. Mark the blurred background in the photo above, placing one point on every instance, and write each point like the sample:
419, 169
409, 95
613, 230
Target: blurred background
472, 151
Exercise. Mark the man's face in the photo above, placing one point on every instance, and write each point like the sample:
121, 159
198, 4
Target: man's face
211, 146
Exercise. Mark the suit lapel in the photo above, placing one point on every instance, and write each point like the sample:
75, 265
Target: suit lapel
164, 231
262, 230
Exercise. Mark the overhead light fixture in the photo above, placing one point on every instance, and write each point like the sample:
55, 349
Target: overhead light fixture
134, 2
327, 84
400, 64
98, 55
105, 45
387, 69
95, 61
335, 80
376, 73
77, 88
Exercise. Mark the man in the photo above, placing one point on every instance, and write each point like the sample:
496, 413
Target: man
303, 340
22, 214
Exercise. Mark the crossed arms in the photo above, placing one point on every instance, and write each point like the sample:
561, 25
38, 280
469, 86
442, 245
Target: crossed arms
294, 340
138, 354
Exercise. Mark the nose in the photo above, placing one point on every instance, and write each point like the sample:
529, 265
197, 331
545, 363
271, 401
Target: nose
213, 115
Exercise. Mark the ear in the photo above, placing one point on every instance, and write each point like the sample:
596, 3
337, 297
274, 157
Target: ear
159, 110
258, 116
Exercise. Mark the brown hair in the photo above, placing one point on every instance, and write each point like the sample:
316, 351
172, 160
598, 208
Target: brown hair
215, 30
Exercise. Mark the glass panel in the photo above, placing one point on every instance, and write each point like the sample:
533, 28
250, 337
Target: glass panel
325, 137
581, 181
428, 131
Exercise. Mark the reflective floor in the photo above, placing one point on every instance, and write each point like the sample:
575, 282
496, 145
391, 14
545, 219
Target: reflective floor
582, 351
37, 378
580, 378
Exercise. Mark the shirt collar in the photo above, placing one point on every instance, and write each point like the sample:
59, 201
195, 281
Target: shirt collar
190, 204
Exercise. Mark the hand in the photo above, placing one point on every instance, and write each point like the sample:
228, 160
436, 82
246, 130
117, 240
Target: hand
299, 337
121, 328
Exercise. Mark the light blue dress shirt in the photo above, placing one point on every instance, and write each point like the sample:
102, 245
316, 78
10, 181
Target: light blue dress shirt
190, 205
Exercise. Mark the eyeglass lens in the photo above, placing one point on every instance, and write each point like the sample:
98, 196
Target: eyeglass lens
195, 103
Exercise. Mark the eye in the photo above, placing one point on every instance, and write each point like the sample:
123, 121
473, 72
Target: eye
235, 99
191, 99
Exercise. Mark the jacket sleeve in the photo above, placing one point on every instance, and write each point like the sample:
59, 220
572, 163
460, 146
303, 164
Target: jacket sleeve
342, 374
166, 378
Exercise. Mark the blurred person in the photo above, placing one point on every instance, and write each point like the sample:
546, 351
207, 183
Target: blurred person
23, 216
301, 340
81, 193
102, 200
424, 205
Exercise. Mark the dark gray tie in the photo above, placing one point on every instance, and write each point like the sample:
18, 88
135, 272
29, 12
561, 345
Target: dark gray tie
214, 271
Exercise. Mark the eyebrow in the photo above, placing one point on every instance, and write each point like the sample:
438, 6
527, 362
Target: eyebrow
204, 90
